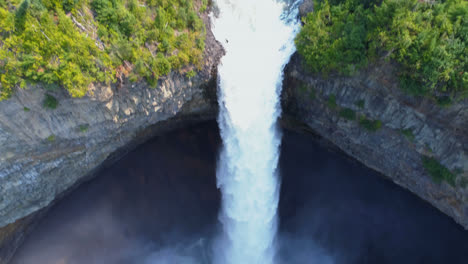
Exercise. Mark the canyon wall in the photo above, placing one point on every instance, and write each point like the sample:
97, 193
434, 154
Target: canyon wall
45, 152
371, 119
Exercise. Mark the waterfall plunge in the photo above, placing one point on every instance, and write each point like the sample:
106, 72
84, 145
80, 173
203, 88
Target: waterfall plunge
258, 38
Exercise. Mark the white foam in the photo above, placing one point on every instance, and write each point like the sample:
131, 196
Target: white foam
258, 44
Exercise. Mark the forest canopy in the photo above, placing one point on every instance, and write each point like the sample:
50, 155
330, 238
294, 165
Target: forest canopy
428, 40
73, 43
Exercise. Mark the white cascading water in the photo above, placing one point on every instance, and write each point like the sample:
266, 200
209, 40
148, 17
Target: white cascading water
258, 36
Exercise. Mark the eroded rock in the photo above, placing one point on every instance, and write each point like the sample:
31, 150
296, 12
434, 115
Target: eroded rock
411, 127
46, 152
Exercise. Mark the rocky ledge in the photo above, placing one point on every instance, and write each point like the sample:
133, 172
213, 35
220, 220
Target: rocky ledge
46, 152
403, 137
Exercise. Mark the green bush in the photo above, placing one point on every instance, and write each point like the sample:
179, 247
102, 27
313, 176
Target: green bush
408, 133
360, 103
444, 101
437, 171
50, 102
140, 39
428, 148
348, 114
51, 138
464, 183
334, 39
427, 38
312, 94
332, 101
370, 125
84, 128
190, 74
303, 88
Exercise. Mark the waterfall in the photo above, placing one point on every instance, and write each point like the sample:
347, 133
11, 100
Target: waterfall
258, 38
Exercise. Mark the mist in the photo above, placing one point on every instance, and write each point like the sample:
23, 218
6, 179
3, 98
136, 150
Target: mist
160, 204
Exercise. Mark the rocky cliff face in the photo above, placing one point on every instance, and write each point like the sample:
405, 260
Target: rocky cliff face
45, 152
399, 130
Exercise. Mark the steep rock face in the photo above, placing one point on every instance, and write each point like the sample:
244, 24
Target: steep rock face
411, 128
45, 152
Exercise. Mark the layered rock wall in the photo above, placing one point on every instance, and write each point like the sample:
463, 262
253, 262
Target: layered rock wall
45, 152
406, 129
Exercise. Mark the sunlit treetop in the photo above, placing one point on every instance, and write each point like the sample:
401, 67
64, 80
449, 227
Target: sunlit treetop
73, 43
428, 39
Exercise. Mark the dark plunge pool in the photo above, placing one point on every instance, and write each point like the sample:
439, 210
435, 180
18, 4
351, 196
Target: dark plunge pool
159, 204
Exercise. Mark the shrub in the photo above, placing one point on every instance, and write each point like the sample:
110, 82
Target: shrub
334, 39
83, 128
303, 88
332, 101
69, 5
50, 102
437, 171
408, 133
464, 183
348, 114
145, 39
428, 148
360, 103
312, 94
370, 125
51, 138
428, 39
190, 74
444, 101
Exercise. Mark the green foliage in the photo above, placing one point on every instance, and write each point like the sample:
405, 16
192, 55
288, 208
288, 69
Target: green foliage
365, 3
332, 101
334, 39
408, 133
428, 148
444, 101
84, 128
370, 125
463, 183
51, 138
458, 171
190, 74
204, 5
303, 88
50, 102
348, 113
428, 40
437, 171
312, 94
20, 15
26, 109
69, 5
360, 103
73, 43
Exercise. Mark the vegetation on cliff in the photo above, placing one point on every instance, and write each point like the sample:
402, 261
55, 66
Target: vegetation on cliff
437, 171
428, 39
73, 43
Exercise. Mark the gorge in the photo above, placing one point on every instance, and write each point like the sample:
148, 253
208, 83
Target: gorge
159, 204
46, 154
